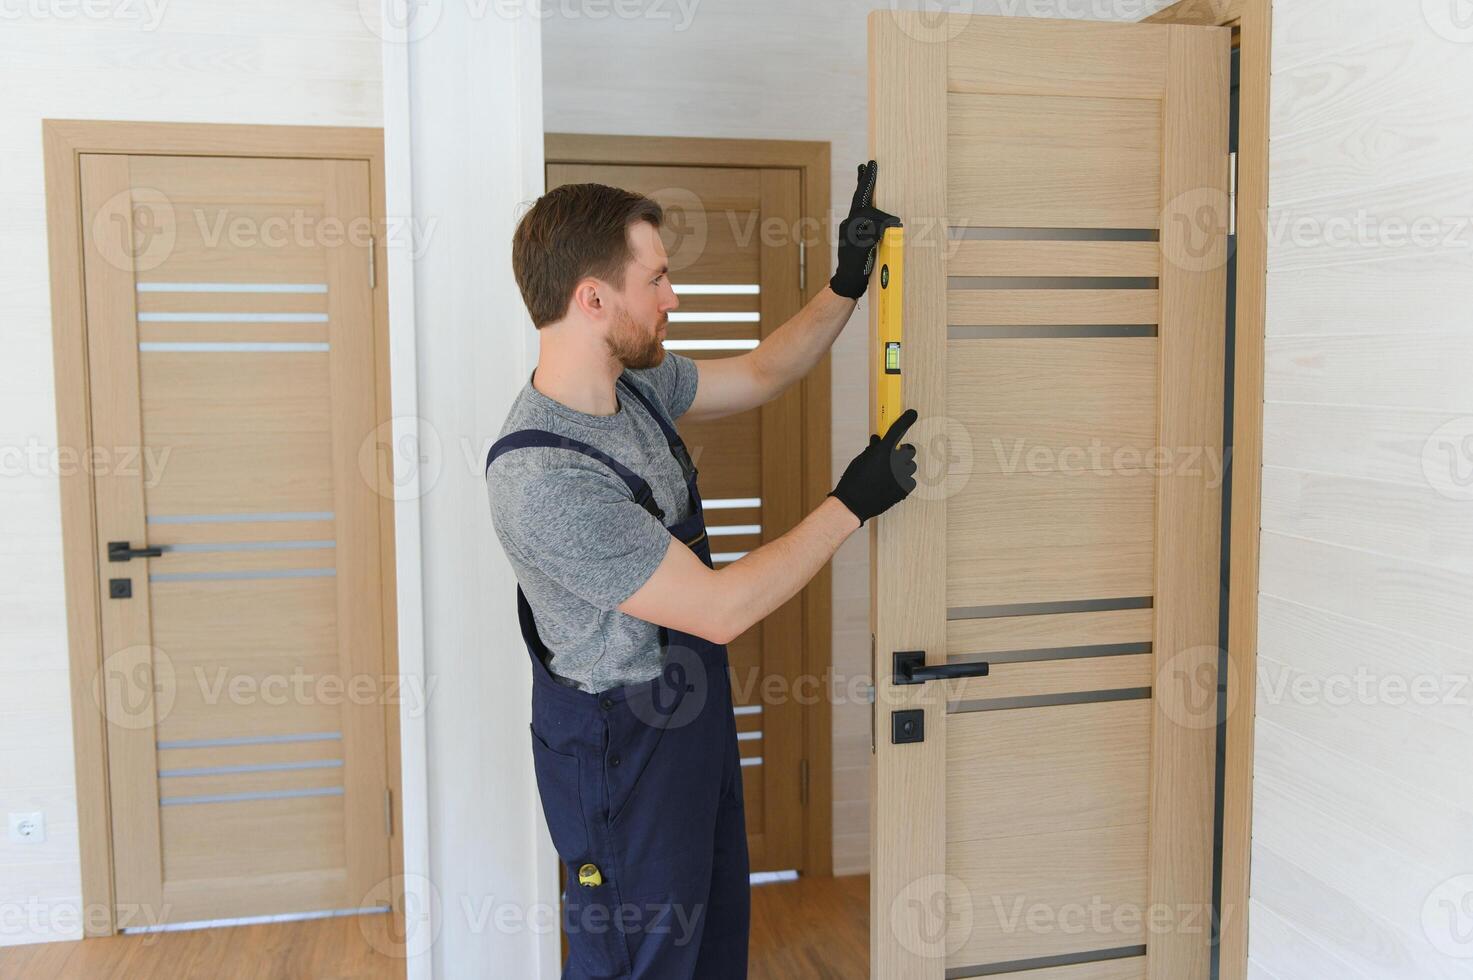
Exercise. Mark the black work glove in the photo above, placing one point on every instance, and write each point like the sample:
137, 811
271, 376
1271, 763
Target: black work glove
881, 476
859, 234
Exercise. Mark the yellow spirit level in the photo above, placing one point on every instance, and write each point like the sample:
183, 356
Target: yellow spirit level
891, 259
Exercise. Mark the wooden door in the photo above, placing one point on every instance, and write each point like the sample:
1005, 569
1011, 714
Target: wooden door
731, 235
1064, 188
232, 365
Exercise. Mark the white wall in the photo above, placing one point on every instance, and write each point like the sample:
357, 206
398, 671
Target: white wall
468, 89
1363, 803
469, 92
767, 69
273, 61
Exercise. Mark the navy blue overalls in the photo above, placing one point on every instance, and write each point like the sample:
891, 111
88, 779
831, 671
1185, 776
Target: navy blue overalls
642, 787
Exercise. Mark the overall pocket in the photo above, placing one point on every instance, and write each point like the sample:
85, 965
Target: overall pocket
559, 786
597, 946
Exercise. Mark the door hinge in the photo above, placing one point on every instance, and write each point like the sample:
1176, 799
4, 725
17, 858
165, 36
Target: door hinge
388, 813
372, 266
802, 266
802, 782
1233, 193
869, 693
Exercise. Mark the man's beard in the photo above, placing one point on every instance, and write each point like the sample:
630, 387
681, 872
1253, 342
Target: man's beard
633, 347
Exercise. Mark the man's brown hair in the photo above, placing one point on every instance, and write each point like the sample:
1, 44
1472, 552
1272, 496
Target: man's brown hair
574, 231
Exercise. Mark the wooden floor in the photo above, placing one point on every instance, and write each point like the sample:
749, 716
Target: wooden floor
812, 928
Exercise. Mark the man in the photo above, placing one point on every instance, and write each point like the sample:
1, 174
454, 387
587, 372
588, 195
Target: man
594, 498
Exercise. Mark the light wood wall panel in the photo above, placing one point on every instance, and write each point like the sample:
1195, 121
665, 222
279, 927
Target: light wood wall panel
1362, 804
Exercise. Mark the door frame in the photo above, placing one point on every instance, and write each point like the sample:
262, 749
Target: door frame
1251, 21
64, 141
811, 160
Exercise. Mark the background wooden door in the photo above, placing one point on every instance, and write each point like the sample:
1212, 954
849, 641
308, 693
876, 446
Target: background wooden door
1064, 188
731, 235
232, 381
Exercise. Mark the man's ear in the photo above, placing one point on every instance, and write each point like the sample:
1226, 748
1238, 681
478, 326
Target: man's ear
588, 298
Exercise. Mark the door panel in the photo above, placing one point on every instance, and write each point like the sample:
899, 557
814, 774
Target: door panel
1054, 161
1035, 522
1064, 188
231, 340
729, 229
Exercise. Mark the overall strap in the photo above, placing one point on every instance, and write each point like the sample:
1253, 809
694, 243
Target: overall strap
538, 438
672, 438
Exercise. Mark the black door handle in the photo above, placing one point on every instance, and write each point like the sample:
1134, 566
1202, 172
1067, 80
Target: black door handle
123, 551
910, 668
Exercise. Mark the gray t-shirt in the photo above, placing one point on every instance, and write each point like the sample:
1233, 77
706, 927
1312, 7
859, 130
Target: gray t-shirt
578, 542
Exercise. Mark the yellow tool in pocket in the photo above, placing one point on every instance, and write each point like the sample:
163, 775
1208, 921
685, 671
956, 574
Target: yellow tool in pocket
589, 876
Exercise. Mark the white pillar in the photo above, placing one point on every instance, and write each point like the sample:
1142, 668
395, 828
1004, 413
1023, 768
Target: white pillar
463, 144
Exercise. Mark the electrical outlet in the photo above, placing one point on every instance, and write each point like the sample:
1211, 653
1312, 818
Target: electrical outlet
27, 828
